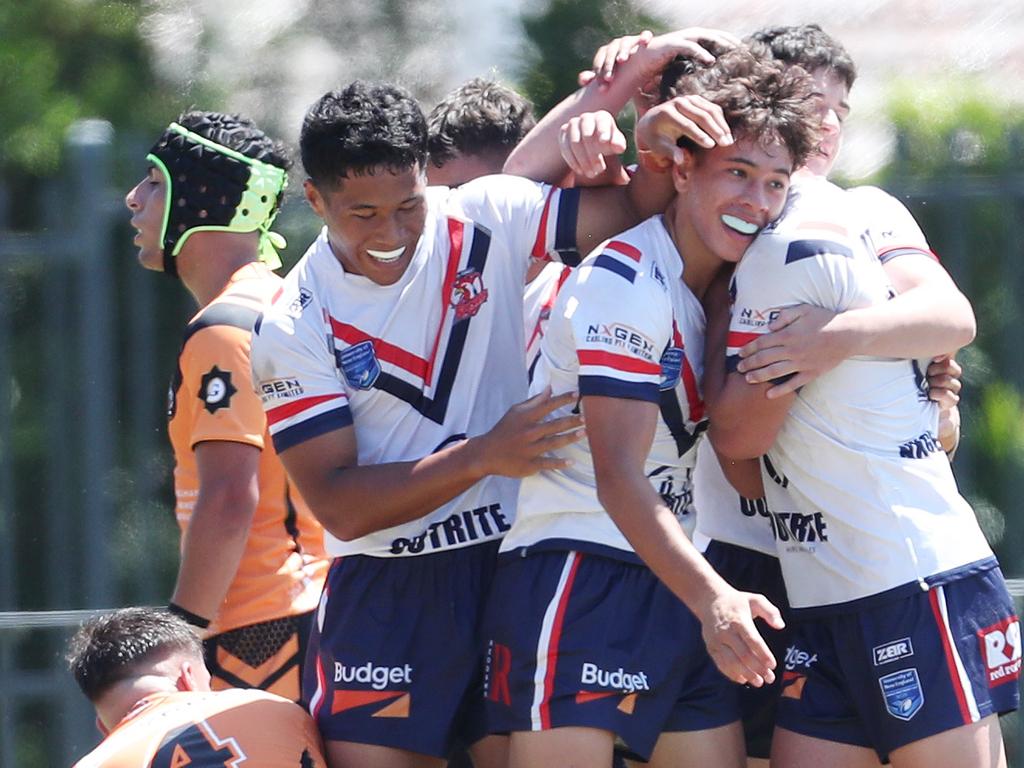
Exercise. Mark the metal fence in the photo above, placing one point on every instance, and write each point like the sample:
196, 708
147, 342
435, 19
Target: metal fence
81, 454
87, 339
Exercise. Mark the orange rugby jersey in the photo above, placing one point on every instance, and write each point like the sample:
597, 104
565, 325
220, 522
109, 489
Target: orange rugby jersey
211, 398
243, 728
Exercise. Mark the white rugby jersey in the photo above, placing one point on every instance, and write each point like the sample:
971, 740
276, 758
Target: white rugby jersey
893, 229
869, 501
624, 325
723, 515
434, 358
538, 300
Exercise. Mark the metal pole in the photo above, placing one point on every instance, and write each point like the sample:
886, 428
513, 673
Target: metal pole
89, 155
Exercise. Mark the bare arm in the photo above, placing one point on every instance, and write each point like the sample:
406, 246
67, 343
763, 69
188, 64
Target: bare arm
744, 422
929, 317
215, 540
620, 433
743, 474
606, 211
352, 500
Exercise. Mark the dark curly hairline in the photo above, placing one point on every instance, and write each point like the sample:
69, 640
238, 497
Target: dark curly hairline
110, 648
361, 129
810, 47
480, 117
762, 100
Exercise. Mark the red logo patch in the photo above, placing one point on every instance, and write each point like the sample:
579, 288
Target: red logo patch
468, 294
1001, 649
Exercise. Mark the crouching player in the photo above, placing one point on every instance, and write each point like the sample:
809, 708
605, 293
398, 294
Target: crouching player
903, 627
590, 636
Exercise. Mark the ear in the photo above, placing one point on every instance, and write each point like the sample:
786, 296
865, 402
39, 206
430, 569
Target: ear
682, 173
192, 676
313, 197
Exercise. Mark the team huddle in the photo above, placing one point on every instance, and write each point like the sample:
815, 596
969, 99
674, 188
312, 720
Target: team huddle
583, 463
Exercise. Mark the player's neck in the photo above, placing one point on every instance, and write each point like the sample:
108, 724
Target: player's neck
700, 265
117, 703
209, 259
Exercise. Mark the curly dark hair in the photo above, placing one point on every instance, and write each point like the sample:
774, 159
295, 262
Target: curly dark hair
361, 128
238, 133
480, 117
762, 99
808, 46
115, 646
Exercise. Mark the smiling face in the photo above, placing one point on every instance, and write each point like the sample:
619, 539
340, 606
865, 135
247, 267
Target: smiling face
831, 96
147, 201
373, 221
726, 195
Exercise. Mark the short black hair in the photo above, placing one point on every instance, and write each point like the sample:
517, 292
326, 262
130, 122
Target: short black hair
810, 47
238, 133
480, 117
115, 646
363, 127
762, 99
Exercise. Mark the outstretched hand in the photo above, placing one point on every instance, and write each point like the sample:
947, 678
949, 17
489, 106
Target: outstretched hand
517, 446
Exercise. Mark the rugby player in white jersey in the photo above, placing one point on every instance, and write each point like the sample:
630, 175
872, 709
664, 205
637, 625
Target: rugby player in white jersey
737, 533
471, 132
585, 642
906, 646
389, 367
875, 533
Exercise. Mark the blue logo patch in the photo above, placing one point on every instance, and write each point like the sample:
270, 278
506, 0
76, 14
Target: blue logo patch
902, 693
359, 364
671, 367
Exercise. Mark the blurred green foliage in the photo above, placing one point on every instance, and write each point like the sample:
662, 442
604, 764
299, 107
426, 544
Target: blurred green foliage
61, 60
955, 125
960, 166
563, 38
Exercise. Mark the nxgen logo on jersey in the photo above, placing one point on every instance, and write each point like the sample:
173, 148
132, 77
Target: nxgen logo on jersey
360, 365
671, 367
897, 649
468, 294
1000, 645
903, 694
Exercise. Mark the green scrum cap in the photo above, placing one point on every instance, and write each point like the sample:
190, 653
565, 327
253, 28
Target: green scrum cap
211, 188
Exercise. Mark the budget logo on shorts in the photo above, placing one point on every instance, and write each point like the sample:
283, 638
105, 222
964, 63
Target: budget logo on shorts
360, 365
1000, 645
381, 700
671, 367
903, 694
468, 294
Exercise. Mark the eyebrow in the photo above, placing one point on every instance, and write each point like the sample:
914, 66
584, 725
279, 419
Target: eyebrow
364, 206
752, 164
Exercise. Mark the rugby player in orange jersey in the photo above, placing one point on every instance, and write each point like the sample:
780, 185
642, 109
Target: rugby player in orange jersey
252, 559
143, 671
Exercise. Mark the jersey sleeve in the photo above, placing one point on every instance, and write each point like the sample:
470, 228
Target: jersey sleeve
295, 374
811, 268
537, 219
621, 324
215, 369
892, 227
